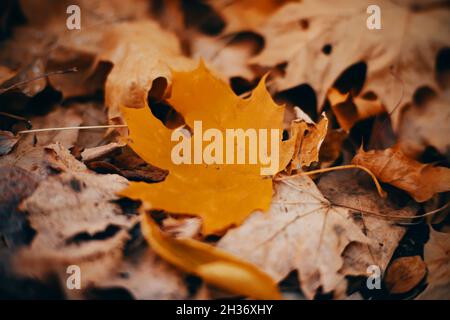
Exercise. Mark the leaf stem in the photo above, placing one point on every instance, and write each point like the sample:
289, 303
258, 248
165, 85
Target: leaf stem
344, 167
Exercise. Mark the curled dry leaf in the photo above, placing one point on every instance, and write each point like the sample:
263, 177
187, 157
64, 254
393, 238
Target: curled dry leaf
211, 264
332, 42
302, 231
437, 258
404, 274
391, 166
95, 153
355, 191
221, 194
143, 55
349, 111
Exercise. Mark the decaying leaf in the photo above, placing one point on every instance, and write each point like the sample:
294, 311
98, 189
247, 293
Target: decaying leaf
16, 184
426, 124
404, 274
248, 15
213, 265
349, 111
437, 258
221, 194
145, 276
391, 166
320, 39
302, 231
355, 191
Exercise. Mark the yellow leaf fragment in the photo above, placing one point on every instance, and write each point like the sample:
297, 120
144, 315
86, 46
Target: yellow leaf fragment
210, 263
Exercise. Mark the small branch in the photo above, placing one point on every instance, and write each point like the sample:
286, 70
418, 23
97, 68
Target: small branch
21, 83
72, 128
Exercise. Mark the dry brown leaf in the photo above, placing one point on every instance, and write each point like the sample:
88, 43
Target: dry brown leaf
7, 141
301, 231
437, 258
228, 55
146, 277
321, 39
16, 184
246, 15
404, 274
95, 153
141, 53
97, 260
331, 147
391, 166
354, 190
426, 125
65, 205
349, 111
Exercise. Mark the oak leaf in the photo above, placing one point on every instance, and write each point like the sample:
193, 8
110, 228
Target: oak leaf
221, 194
320, 39
391, 166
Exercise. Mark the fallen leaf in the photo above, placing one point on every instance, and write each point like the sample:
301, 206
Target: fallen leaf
404, 274
95, 153
7, 141
355, 192
143, 55
319, 40
247, 15
146, 277
426, 125
72, 204
228, 55
211, 264
331, 147
391, 166
16, 184
217, 194
182, 228
349, 110
436, 256
302, 231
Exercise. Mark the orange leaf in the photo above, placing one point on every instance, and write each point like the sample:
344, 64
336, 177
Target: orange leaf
222, 194
391, 166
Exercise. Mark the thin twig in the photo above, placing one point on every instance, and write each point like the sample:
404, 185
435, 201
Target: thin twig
72, 128
44, 75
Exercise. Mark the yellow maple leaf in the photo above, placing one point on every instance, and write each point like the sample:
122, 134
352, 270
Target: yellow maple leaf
214, 265
221, 194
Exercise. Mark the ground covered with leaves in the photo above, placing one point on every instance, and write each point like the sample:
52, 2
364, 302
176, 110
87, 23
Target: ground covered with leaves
88, 178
